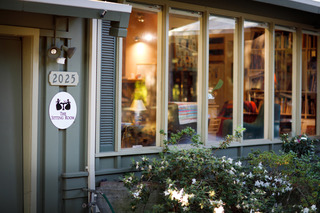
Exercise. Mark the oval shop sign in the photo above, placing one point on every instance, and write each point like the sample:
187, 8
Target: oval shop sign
62, 110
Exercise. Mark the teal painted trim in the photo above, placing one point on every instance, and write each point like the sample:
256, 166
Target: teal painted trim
59, 34
62, 10
75, 134
74, 194
74, 175
51, 146
74, 184
118, 32
75, 205
74, 181
113, 171
308, 6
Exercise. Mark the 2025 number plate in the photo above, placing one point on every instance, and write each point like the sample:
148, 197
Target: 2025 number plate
58, 78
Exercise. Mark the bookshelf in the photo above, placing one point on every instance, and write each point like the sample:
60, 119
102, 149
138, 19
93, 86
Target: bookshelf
309, 85
183, 68
254, 73
283, 78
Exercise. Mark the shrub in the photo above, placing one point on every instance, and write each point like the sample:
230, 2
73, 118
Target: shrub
303, 175
193, 180
300, 144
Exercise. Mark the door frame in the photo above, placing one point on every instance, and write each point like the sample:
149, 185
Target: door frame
30, 80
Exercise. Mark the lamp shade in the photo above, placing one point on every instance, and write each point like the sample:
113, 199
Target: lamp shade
137, 106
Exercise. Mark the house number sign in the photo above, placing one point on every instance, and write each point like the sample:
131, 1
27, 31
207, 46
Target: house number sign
62, 110
58, 78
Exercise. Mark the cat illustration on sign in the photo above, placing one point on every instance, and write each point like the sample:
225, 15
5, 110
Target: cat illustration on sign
63, 105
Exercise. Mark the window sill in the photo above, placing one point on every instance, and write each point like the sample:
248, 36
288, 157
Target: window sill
131, 151
252, 142
155, 150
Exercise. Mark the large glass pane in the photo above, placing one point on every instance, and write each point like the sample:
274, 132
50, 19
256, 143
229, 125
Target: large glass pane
253, 105
309, 84
183, 71
220, 94
139, 81
283, 83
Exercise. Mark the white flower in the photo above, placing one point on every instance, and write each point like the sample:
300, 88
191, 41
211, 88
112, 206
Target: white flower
230, 160
128, 180
303, 138
250, 175
223, 159
305, 210
144, 158
194, 181
219, 210
313, 208
184, 200
257, 183
260, 165
136, 194
150, 167
238, 163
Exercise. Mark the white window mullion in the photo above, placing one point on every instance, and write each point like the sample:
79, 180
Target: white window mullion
98, 84
238, 73
296, 82
163, 75
92, 104
202, 89
269, 85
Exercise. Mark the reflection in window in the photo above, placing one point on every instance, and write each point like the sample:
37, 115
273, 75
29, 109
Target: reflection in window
283, 83
220, 94
254, 56
183, 71
309, 84
139, 81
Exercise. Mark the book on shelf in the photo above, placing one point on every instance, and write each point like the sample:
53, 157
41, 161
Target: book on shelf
312, 108
286, 106
313, 83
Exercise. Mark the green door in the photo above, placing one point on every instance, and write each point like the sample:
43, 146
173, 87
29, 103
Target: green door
11, 175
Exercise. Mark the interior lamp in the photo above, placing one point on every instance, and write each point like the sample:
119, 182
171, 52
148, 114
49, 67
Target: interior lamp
137, 106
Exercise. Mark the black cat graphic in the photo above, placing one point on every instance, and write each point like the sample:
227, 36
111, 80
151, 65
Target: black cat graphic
63, 105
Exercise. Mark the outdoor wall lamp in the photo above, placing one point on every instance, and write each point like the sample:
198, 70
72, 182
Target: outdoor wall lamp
70, 51
54, 52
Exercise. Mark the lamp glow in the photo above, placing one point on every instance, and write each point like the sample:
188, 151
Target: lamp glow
148, 37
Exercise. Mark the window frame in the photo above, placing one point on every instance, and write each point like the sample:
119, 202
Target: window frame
201, 53
314, 33
238, 72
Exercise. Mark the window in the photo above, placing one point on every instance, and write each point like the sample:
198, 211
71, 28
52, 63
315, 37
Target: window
184, 29
283, 83
139, 81
220, 94
254, 79
309, 84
